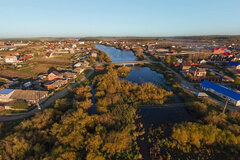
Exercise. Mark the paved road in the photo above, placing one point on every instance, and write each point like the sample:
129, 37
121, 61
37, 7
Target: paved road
47, 103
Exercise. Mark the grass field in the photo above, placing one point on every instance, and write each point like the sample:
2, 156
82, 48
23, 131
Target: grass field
35, 67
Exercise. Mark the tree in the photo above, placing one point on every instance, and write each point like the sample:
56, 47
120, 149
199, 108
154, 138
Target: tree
168, 60
62, 104
237, 81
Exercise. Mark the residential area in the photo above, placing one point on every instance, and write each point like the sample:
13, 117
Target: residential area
32, 71
45, 66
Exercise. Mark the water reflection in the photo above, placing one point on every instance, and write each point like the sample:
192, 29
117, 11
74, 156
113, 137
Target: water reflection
117, 55
141, 75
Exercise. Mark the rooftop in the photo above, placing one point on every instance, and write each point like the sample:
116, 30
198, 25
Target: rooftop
221, 89
6, 91
233, 63
28, 94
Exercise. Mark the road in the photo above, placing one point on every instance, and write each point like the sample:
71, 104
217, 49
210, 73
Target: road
47, 103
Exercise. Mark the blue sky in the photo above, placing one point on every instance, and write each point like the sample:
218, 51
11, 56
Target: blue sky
78, 18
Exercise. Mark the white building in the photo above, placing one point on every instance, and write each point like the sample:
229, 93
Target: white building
81, 42
94, 55
11, 59
20, 44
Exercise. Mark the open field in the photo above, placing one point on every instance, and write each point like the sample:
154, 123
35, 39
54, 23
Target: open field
12, 73
58, 60
36, 66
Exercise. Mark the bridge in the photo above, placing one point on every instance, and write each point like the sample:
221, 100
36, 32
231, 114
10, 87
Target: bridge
130, 63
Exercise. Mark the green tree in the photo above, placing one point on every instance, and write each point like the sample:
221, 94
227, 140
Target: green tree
237, 81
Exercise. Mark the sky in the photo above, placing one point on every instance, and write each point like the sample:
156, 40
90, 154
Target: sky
148, 18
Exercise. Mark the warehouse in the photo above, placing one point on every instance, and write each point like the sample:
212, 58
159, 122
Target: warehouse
30, 96
222, 92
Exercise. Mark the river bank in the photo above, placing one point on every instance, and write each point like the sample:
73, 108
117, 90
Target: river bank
138, 52
153, 116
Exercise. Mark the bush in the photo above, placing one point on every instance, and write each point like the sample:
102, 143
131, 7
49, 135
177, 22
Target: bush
215, 118
198, 108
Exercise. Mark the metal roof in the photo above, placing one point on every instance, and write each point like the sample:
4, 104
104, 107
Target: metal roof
221, 89
6, 91
233, 63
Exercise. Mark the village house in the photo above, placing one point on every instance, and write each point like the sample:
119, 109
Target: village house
17, 44
69, 75
54, 75
27, 84
2, 43
186, 66
81, 42
78, 70
11, 59
55, 84
78, 64
61, 51
99, 68
219, 50
162, 50
85, 63
25, 57
201, 61
198, 72
48, 54
94, 55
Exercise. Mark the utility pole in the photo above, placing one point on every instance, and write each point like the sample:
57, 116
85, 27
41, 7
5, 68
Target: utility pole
225, 106
38, 98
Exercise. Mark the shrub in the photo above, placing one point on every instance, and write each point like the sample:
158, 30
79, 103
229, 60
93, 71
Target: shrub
198, 108
215, 118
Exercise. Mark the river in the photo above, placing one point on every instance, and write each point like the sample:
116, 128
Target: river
117, 55
174, 112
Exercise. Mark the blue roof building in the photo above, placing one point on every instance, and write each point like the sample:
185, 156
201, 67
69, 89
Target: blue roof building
5, 95
222, 91
233, 63
6, 91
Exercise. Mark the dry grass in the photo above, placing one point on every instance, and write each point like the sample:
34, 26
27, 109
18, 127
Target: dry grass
41, 68
12, 73
52, 61
36, 66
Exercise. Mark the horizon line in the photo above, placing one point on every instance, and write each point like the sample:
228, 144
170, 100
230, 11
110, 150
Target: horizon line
79, 37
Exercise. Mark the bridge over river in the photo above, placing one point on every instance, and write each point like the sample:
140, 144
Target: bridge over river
130, 63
